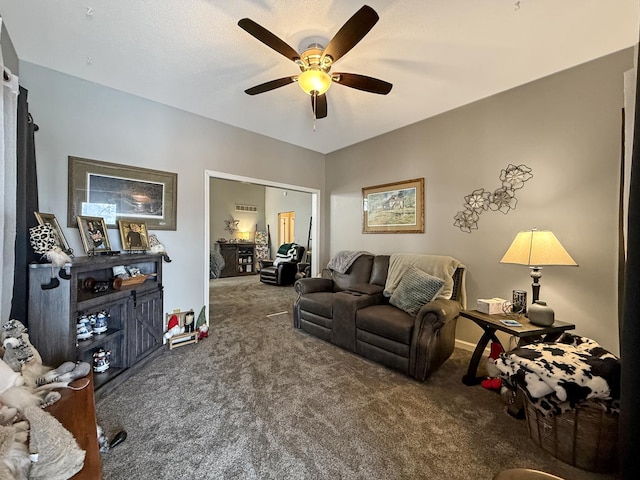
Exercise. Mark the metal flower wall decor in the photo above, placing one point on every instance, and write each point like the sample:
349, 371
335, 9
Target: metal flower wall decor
502, 199
231, 225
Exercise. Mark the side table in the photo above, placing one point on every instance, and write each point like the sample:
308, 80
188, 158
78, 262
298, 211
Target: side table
76, 411
527, 333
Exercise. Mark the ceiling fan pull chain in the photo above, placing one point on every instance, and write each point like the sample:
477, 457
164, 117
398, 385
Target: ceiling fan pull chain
315, 106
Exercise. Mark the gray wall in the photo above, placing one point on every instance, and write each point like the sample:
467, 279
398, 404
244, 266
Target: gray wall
9, 56
567, 129
225, 194
279, 201
84, 119
223, 197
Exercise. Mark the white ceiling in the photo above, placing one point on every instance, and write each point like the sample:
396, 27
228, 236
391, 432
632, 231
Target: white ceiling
438, 54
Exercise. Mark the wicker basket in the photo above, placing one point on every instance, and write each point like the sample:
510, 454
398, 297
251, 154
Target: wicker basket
585, 437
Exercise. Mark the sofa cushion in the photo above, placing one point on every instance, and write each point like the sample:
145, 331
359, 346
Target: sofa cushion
386, 321
320, 303
380, 270
358, 272
416, 288
366, 288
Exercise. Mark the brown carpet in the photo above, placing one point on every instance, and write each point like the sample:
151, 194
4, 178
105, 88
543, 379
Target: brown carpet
259, 399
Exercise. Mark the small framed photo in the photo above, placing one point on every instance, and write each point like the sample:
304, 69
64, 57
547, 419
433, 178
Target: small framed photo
51, 220
93, 232
133, 235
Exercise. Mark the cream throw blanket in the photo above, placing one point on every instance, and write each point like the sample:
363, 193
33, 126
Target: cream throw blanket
437, 265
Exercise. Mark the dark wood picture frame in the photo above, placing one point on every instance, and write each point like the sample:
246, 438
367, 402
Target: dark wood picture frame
133, 235
93, 233
394, 207
114, 191
51, 220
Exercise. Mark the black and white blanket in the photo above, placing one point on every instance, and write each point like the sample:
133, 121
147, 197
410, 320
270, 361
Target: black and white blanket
572, 369
286, 253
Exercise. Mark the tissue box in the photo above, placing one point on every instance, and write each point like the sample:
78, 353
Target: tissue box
490, 305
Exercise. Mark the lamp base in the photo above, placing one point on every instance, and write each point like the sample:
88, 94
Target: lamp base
536, 274
541, 314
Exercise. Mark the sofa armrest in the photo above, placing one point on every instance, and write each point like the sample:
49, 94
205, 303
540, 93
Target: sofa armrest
434, 336
311, 285
443, 311
263, 262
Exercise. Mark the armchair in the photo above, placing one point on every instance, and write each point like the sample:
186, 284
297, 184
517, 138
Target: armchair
282, 270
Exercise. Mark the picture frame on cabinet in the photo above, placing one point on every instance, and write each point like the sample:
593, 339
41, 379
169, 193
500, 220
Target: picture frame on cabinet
394, 207
133, 235
51, 220
93, 233
122, 192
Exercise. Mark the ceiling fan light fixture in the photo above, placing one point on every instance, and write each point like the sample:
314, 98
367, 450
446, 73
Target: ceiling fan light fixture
314, 80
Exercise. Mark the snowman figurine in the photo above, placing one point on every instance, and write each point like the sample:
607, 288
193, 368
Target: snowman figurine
101, 360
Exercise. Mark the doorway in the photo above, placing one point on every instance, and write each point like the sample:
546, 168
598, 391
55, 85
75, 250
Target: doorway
286, 227
313, 232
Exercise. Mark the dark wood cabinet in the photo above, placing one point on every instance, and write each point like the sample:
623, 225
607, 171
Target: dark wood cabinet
135, 318
239, 259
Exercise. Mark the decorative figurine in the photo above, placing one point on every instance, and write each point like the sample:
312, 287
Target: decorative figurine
84, 330
101, 360
189, 324
100, 325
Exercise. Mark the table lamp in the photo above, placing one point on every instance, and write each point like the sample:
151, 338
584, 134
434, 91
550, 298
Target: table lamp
536, 248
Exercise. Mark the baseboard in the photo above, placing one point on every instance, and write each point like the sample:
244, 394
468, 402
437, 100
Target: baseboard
465, 345
472, 346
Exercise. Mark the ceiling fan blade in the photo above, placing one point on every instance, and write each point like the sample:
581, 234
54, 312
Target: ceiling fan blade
272, 85
351, 33
269, 39
362, 82
319, 105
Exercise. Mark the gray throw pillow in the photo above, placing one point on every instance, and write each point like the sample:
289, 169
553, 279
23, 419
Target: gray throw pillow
416, 288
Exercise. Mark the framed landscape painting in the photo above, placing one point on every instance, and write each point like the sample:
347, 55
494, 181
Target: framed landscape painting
394, 207
121, 192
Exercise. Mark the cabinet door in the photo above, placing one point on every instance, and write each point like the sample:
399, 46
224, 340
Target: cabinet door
145, 325
230, 255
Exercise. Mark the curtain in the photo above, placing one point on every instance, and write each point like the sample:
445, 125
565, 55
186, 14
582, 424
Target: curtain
8, 173
26, 204
630, 336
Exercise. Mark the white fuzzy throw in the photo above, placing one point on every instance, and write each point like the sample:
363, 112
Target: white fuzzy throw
59, 456
440, 266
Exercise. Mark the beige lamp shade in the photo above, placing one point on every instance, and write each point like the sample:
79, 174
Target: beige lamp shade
537, 248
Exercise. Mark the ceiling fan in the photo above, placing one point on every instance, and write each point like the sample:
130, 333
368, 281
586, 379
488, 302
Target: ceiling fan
316, 61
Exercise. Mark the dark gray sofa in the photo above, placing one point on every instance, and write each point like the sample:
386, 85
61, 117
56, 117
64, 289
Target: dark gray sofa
350, 310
